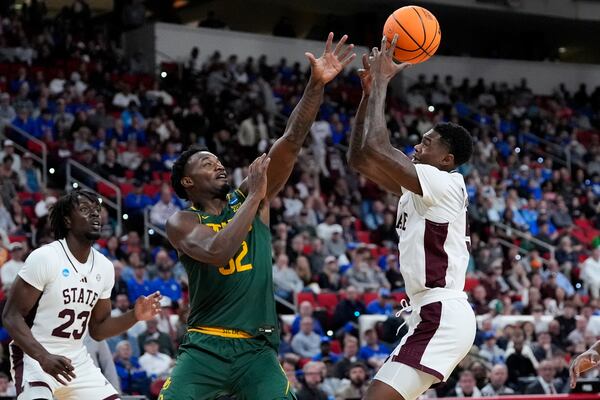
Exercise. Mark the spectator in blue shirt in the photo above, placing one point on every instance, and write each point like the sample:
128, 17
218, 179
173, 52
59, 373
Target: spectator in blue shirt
326, 351
166, 284
44, 125
137, 201
382, 304
373, 352
138, 285
24, 121
133, 378
306, 310
130, 113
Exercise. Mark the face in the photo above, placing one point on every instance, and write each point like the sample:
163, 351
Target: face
498, 375
357, 376
151, 348
546, 371
125, 351
204, 173
306, 325
312, 375
467, 383
433, 151
84, 219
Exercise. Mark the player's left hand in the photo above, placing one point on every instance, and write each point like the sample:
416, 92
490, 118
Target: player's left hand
383, 67
147, 307
331, 62
582, 363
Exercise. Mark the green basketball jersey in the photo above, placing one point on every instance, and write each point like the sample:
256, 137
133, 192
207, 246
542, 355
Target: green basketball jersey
238, 295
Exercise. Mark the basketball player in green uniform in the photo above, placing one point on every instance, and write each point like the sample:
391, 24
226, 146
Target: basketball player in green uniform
224, 243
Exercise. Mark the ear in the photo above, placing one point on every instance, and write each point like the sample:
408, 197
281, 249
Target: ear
68, 222
186, 182
448, 160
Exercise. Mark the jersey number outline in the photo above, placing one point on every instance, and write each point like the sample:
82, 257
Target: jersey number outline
236, 265
69, 313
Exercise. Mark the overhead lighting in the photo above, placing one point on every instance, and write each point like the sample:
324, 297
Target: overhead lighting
562, 50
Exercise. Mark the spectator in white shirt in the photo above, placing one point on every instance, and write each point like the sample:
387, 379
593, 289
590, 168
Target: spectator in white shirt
9, 270
285, 279
161, 211
591, 273
7, 388
124, 97
9, 150
306, 343
156, 365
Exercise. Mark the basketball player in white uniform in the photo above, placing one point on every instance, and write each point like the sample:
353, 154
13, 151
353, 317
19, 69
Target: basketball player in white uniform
433, 231
62, 290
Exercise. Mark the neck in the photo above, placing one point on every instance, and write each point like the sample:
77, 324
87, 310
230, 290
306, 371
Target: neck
79, 247
211, 206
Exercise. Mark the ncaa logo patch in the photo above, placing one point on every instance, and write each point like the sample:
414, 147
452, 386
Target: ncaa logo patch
65, 272
98, 277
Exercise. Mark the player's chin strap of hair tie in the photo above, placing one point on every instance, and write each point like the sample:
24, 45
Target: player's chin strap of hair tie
405, 308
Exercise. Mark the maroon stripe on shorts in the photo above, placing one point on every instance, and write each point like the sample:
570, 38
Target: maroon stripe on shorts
40, 384
17, 360
113, 397
436, 258
413, 349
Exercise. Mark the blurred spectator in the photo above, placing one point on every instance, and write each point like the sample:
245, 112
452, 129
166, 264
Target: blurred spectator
373, 352
519, 364
133, 377
306, 343
166, 284
165, 345
336, 245
155, 364
357, 387
306, 310
349, 356
591, 273
9, 150
349, 309
329, 278
364, 277
382, 304
314, 373
326, 354
497, 385
7, 111
7, 388
489, 350
7, 224
545, 383
120, 286
466, 386
10, 269
161, 211
139, 285
30, 176
285, 279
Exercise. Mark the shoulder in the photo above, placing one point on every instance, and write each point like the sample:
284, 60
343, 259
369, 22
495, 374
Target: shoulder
181, 221
45, 254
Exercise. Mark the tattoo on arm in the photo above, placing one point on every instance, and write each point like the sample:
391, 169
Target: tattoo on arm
304, 115
377, 133
358, 130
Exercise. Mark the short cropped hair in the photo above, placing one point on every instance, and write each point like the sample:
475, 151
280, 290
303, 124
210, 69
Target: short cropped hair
458, 139
178, 170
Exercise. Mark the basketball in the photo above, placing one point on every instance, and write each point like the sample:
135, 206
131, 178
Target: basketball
419, 34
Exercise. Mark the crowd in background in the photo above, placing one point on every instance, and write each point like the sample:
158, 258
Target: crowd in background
534, 212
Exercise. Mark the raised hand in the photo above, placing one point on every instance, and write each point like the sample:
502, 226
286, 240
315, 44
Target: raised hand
383, 67
365, 75
331, 62
59, 367
582, 363
147, 307
257, 177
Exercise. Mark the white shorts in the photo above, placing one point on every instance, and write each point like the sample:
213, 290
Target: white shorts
440, 335
33, 383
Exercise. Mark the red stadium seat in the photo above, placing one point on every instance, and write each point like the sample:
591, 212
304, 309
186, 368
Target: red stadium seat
363, 236
306, 296
129, 174
151, 190
13, 239
34, 147
398, 297
328, 301
336, 347
369, 297
470, 284
126, 188
105, 190
166, 177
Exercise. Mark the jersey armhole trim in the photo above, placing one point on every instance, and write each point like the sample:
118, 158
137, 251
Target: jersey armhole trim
238, 191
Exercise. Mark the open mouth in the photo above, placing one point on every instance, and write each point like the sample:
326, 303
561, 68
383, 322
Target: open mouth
96, 224
222, 175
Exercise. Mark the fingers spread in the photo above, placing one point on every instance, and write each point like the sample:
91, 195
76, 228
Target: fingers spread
311, 58
393, 45
329, 42
365, 61
345, 53
340, 44
348, 60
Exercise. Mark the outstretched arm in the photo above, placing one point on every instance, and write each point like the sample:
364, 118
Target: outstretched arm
380, 161
285, 150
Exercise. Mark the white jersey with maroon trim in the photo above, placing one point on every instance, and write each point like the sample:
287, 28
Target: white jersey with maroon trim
434, 235
70, 290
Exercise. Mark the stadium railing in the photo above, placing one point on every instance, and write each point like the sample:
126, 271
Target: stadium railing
26, 143
559, 154
511, 232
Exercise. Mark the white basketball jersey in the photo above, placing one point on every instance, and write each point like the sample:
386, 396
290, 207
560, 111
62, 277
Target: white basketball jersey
70, 290
433, 231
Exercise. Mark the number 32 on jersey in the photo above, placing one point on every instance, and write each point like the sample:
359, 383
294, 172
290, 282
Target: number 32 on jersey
236, 264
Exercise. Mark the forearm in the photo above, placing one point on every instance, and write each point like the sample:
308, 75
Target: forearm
304, 114
596, 347
377, 134
358, 130
228, 240
18, 330
113, 326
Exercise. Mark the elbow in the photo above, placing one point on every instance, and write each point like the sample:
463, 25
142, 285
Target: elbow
95, 334
217, 254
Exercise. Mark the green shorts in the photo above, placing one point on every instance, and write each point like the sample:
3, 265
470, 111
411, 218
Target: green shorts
210, 366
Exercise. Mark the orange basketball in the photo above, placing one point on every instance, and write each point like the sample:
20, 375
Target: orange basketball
419, 34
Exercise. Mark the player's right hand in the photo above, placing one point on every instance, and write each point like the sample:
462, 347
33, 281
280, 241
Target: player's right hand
582, 363
257, 177
59, 367
365, 75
